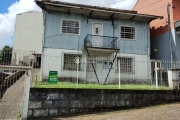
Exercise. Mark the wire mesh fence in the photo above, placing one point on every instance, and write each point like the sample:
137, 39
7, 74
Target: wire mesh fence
20, 58
12, 80
91, 69
105, 69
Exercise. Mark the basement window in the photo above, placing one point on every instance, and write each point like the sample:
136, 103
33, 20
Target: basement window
70, 27
127, 32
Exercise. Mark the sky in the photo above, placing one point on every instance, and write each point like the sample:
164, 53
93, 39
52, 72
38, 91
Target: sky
9, 9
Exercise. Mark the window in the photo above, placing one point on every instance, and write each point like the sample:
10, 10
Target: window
70, 27
126, 65
69, 62
127, 32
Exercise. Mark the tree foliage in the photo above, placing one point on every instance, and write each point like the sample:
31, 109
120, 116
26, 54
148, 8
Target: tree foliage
6, 55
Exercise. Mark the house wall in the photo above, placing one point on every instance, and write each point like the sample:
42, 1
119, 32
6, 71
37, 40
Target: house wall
53, 61
178, 46
159, 28
162, 44
54, 39
28, 32
176, 9
159, 8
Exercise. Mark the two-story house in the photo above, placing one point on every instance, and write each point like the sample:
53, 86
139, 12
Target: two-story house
100, 37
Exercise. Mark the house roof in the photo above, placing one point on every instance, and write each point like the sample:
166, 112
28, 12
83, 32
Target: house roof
95, 11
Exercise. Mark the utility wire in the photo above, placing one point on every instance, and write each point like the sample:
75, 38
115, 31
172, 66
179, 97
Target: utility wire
149, 4
112, 2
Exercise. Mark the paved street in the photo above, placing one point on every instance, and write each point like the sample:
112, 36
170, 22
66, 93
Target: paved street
161, 112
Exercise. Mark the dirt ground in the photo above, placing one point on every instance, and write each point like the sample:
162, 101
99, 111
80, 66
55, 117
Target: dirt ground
161, 112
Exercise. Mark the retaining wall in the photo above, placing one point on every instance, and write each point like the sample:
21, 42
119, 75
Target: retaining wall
57, 102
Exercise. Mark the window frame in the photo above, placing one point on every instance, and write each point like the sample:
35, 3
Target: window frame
70, 20
97, 23
80, 64
133, 65
127, 38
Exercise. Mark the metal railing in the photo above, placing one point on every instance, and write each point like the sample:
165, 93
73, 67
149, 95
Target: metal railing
15, 82
20, 58
100, 41
96, 68
16, 78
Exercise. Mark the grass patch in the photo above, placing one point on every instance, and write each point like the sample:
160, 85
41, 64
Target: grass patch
18, 116
97, 86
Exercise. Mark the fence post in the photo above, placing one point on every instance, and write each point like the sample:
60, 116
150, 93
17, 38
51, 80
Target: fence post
77, 62
156, 75
27, 85
119, 74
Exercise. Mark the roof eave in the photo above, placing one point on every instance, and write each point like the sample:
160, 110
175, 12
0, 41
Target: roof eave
95, 8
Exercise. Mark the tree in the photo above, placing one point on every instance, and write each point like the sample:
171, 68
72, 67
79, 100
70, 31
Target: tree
6, 55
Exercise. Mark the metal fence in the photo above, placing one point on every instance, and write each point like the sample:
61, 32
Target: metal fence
14, 66
95, 69
105, 69
20, 58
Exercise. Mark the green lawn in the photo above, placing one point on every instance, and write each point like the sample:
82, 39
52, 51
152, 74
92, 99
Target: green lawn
97, 86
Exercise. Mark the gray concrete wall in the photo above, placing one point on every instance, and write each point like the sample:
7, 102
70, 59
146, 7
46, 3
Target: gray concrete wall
58, 102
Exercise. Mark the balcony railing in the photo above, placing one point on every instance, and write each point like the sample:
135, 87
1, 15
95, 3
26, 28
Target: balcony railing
100, 41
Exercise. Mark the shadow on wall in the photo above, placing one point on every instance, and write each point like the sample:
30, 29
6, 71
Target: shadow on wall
160, 43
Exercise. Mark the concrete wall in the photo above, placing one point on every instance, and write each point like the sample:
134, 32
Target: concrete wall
53, 61
58, 102
56, 40
29, 32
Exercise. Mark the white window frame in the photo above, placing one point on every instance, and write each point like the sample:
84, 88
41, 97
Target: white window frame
71, 20
133, 65
81, 68
127, 38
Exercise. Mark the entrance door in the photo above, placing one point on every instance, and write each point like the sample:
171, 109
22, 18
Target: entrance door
97, 41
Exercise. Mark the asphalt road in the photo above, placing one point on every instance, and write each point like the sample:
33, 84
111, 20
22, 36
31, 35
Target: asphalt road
161, 112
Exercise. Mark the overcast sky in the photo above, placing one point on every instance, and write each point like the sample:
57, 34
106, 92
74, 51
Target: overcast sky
7, 18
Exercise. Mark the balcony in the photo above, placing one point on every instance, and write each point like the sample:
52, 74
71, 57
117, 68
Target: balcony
95, 43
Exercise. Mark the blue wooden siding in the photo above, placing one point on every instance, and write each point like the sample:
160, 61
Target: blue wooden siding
162, 44
54, 38
177, 46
